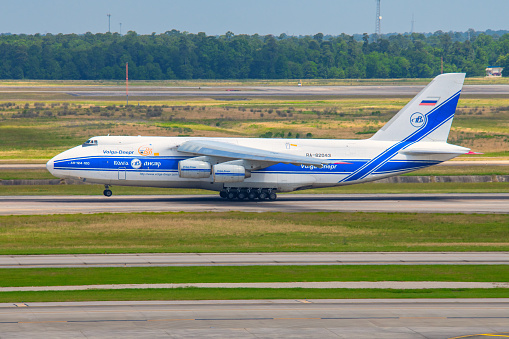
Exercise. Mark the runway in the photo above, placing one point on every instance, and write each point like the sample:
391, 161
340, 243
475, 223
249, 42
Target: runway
252, 91
394, 319
250, 259
419, 203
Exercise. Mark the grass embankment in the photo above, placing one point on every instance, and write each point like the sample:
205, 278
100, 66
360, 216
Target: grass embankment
246, 294
16, 277
251, 232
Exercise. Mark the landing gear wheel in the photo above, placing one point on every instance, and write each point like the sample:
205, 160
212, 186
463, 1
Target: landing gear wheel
231, 195
252, 195
272, 196
223, 194
242, 195
263, 195
107, 193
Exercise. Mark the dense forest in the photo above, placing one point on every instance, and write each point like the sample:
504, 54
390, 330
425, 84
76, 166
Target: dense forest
181, 55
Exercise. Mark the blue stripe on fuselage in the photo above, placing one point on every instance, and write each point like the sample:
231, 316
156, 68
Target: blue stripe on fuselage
170, 164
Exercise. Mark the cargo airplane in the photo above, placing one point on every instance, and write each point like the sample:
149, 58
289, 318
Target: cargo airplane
251, 168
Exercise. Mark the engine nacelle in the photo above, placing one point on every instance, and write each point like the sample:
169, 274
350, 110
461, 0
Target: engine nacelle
228, 173
194, 169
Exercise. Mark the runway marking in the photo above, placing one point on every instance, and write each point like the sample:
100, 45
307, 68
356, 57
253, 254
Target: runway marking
423, 317
482, 334
43, 322
297, 318
169, 319
254, 319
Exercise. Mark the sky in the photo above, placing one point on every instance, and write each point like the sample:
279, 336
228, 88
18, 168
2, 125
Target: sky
216, 17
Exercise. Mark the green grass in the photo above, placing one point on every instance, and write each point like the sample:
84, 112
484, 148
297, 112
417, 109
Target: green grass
192, 293
461, 170
15, 277
368, 188
252, 232
26, 174
35, 174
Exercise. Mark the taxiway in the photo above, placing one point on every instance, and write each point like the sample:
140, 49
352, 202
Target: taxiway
250, 91
258, 259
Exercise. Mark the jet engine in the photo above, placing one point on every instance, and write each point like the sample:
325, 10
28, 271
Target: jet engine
228, 173
194, 169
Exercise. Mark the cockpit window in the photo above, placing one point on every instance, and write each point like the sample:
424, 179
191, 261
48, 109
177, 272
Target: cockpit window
90, 142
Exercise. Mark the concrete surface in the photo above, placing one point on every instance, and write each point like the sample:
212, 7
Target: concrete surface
428, 203
258, 259
353, 319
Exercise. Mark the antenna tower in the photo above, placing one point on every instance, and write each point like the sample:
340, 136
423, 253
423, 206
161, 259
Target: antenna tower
378, 29
412, 27
109, 20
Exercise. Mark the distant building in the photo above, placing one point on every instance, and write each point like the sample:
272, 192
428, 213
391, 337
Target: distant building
494, 71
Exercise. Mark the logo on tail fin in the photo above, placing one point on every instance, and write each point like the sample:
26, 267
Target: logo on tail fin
417, 119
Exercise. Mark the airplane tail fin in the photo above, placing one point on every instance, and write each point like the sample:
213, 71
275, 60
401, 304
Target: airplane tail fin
428, 117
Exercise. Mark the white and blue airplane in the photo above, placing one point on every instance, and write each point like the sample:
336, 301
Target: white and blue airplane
253, 168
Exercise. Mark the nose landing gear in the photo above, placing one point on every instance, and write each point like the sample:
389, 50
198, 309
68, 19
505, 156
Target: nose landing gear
107, 192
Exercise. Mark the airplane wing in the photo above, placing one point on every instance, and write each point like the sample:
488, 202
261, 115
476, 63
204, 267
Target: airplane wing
227, 150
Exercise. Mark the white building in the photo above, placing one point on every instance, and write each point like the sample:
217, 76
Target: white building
494, 71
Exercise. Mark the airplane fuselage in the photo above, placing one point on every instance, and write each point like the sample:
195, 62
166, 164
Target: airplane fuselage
153, 162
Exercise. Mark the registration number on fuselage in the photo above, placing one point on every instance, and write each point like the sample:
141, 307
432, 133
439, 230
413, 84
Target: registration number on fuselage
318, 155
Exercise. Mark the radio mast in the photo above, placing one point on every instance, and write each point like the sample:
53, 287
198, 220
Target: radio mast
378, 28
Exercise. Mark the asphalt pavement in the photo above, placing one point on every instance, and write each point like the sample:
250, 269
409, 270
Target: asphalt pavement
306, 318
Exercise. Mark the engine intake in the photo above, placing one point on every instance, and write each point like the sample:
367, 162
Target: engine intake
194, 169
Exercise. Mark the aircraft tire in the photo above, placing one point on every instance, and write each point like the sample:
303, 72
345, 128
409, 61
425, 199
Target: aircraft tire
252, 195
272, 196
263, 195
108, 193
231, 195
223, 194
242, 195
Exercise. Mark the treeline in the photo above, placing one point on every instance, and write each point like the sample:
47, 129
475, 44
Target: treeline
181, 55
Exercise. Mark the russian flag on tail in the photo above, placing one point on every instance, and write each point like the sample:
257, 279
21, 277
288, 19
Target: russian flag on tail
429, 102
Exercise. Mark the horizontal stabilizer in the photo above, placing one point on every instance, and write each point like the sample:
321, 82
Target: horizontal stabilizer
430, 148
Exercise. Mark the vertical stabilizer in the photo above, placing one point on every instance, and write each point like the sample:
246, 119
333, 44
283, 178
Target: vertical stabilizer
428, 117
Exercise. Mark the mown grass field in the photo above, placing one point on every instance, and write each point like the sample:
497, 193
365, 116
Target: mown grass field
367, 188
251, 232
192, 293
39, 127
16, 277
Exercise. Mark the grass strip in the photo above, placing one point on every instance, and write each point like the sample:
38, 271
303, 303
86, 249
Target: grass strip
17, 277
175, 232
193, 293
368, 188
36, 174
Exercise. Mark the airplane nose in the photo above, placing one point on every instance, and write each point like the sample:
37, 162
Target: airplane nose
49, 165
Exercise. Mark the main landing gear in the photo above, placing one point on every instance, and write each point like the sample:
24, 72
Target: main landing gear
107, 192
248, 193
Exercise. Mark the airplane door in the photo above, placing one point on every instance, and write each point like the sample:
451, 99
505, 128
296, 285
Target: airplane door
121, 173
